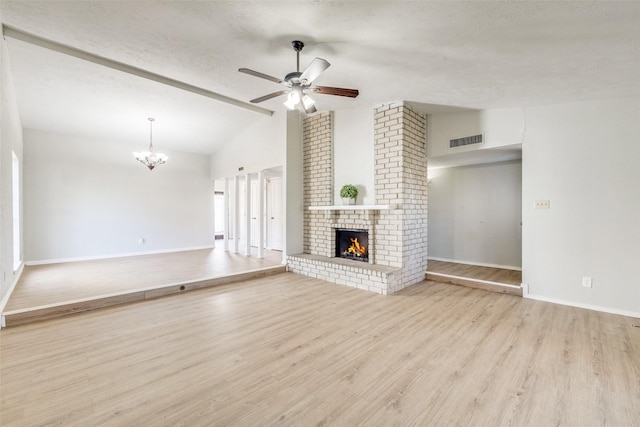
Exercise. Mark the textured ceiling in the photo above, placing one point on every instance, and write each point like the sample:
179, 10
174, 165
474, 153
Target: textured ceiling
434, 54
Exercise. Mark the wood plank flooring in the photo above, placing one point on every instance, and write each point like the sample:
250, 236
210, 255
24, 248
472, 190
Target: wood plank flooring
491, 274
54, 283
476, 276
53, 290
296, 351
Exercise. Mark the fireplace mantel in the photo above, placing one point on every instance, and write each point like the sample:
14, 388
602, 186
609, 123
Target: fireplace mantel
353, 208
369, 211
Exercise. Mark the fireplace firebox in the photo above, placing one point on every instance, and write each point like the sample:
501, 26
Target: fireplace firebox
352, 244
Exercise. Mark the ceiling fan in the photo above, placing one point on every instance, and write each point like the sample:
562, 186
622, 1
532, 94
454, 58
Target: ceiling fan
298, 83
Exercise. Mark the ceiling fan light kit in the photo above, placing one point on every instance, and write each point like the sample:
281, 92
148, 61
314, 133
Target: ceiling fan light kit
292, 100
307, 102
298, 82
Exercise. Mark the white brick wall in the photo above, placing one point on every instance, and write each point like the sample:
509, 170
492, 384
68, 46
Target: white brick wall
401, 177
318, 181
397, 238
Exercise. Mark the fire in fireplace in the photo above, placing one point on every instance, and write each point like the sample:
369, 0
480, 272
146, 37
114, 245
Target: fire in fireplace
352, 244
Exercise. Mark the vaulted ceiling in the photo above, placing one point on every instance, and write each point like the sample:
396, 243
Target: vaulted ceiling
435, 54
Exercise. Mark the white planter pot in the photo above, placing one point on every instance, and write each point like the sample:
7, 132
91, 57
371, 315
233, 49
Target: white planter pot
347, 201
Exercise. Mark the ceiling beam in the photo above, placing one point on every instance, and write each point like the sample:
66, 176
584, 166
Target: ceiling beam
17, 34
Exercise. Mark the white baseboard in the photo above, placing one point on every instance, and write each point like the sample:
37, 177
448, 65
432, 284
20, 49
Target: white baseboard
481, 264
123, 255
580, 305
5, 299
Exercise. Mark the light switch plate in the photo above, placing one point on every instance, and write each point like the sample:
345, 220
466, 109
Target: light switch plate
541, 204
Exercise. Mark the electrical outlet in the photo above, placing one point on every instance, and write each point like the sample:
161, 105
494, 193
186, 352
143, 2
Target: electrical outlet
586, 282
541, 204
141, 241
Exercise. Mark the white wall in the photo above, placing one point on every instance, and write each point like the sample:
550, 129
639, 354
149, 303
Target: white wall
475, 214
585, 159
293, 186
10, 140
500, 127
87, 198
257, 146
353, 161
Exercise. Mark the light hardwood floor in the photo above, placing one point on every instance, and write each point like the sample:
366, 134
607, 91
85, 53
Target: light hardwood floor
492, 274
475, 276
57, 283
291, 350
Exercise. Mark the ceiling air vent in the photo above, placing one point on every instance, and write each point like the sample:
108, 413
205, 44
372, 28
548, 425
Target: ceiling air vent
467, 140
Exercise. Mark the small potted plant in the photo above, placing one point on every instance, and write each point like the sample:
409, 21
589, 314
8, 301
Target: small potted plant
349, 193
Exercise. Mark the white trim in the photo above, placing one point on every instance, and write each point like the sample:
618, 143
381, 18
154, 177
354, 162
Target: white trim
261, 215
128, 254
480, 264
5, 299
247, 215
236, 214
225, 202
609, 310
469, 279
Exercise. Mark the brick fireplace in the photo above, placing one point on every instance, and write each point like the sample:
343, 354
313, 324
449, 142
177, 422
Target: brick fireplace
396, 226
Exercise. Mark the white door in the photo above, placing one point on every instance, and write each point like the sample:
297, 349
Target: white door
254, 213
274, 214
242, 193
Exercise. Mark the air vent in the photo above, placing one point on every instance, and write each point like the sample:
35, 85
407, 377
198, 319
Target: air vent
467, 140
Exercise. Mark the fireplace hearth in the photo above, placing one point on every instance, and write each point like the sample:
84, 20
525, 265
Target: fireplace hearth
352, 244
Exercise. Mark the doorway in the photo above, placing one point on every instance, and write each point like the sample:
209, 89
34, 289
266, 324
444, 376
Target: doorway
475, 215
275, 209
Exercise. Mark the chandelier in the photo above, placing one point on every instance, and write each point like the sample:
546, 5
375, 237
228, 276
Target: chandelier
149, 158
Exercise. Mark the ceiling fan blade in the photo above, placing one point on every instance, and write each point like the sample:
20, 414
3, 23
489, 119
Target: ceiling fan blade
262, 75
327, 90
317, 66
271, 95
